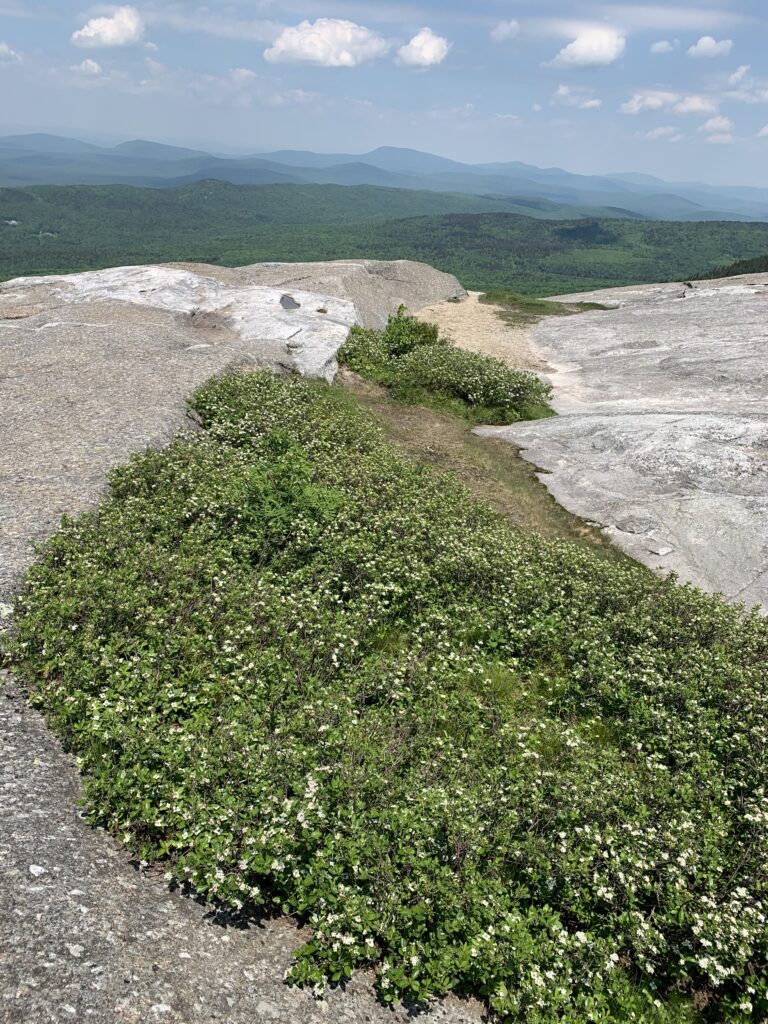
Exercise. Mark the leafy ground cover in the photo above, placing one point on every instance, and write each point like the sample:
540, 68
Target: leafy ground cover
311, 677
521, 310
418, 366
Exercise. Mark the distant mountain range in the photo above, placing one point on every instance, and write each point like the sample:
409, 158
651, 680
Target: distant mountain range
550, 192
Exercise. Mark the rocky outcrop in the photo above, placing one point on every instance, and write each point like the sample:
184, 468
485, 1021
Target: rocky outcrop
663, 432
95, 366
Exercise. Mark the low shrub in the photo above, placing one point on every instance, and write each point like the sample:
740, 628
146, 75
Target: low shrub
310, 677
524, 310
410, 358
485, 385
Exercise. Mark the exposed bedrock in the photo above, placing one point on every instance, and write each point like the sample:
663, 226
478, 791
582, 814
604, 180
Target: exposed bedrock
98, 365
663, 432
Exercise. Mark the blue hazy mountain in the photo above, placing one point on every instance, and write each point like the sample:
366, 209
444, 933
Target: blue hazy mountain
40, 159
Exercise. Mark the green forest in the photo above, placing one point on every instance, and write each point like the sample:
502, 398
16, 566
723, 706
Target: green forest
485, 241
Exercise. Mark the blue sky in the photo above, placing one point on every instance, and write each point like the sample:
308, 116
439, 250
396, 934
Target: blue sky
674, 89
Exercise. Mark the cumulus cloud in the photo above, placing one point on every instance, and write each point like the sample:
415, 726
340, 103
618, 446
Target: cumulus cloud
424, 50
505, 30
593, 47
696, 105
726, 139
763, 133
708, 46
7, 55
576, 96
88, 67
665, 132
717, 125
664, 46
123, 28
649, 99
659, 99
328, 42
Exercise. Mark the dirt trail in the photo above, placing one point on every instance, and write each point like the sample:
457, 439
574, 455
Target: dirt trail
477, 326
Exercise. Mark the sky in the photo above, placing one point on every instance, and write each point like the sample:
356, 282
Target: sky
679, 90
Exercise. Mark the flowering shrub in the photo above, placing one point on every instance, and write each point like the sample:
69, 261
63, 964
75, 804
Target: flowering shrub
312, 677
409, 357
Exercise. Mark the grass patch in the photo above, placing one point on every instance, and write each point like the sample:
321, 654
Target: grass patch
522, 310
311, 677
491, 469
419, 367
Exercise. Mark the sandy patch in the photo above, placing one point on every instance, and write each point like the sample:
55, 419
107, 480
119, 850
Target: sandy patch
476, 326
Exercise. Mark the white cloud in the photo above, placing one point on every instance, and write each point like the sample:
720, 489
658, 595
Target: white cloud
739, 74
88, 67
708, 46
123, 28
753, 91
424, 50
763, 133
576, 96
726, 139
7, 55
717, 125
593, 47
329, 42
659, 99
745, 88
505, 30
666, 132
696, 105
649, 99
664, 46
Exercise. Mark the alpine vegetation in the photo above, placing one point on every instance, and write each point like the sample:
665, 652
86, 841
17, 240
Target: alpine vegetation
309, 676
410, 358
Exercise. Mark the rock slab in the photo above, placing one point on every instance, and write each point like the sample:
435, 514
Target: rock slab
662, 436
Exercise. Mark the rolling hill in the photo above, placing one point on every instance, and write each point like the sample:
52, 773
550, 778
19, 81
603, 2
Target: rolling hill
534, 246
53, 160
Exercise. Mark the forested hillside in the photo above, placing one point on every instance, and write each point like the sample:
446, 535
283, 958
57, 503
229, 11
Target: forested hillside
483, 241
755, 266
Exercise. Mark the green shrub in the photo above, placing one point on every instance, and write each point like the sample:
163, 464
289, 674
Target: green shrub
409, 357
483, 384
310, 677
404, 333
